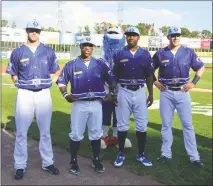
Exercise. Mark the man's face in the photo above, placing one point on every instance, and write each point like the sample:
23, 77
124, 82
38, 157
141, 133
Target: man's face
174, 39
86, 49
132, 39
33, 34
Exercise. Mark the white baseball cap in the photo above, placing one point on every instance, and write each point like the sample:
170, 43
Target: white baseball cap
87, 40
174, 30
34, 24
132, 29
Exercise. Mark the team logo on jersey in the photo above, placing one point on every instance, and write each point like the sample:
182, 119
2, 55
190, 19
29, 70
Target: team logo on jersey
35, 24
175, 80
165, 61
124, 60
90, 95
79, 72
25, 59
133, 81
9, 68
198, 59
110, 73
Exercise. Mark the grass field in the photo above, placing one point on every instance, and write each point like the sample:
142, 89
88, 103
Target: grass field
178, 172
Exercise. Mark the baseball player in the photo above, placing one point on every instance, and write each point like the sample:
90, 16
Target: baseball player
113, 41
30, 67
87, 76
133, 68
174, 63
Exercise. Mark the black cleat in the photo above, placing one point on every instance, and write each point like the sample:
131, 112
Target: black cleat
198, 163
98, 166
19, 174
51, 169
163, 159
74, 168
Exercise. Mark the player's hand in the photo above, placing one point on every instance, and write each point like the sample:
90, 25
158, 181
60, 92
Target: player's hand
159, 85
188, 86
149, 100
70, 98
108, 97
114, 100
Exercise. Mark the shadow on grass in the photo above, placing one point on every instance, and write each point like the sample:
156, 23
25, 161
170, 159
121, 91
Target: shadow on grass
178, 172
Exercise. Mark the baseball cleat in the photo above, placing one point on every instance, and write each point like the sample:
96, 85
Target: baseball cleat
144, 160
120, 160
198, 163
19, 174
163, 159
51, 169
98, 166
74, 168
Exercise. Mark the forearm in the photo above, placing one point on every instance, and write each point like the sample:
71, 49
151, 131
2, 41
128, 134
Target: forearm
63, 90
149, 84
112, 87
198, 75
14, 78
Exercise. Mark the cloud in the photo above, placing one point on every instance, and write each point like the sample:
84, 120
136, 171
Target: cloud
159, 17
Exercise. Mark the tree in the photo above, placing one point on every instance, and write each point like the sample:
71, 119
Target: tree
144, 28
195, 34
4, 23
124, 27
185, 32
86, 29
99, 28
206, 34
164, 29
13, 24
80, 30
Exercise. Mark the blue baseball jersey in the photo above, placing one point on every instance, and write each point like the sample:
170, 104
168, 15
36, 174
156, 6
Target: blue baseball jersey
174, 69
86, 82
33, 69
133, 69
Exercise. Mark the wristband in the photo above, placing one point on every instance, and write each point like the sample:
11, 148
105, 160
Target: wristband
196, 79
64, 94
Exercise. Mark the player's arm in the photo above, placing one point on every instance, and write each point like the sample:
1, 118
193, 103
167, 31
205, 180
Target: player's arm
62, 82
12, 67
198, 66
156, 64
53, 67
149, 80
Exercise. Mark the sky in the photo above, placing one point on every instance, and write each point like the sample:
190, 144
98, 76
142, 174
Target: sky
195, 15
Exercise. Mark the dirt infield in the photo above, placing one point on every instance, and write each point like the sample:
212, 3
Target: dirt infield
34, 175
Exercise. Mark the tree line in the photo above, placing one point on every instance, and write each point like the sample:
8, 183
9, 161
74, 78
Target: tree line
99, 28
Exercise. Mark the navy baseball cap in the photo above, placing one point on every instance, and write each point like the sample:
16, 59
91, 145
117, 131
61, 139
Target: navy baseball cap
34, 24
87, 40
132, 29
174, 30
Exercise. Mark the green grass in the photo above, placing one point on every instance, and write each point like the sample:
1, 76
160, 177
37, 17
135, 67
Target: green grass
177, 173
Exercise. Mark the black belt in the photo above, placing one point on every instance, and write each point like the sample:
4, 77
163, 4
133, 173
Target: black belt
174, 88
90, 99
132, 87
37, 90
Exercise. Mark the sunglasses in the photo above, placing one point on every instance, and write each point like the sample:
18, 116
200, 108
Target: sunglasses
175, 35
31, 30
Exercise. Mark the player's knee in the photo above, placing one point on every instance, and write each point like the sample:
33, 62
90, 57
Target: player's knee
142, 128
75, 137
95, 134
121, 127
